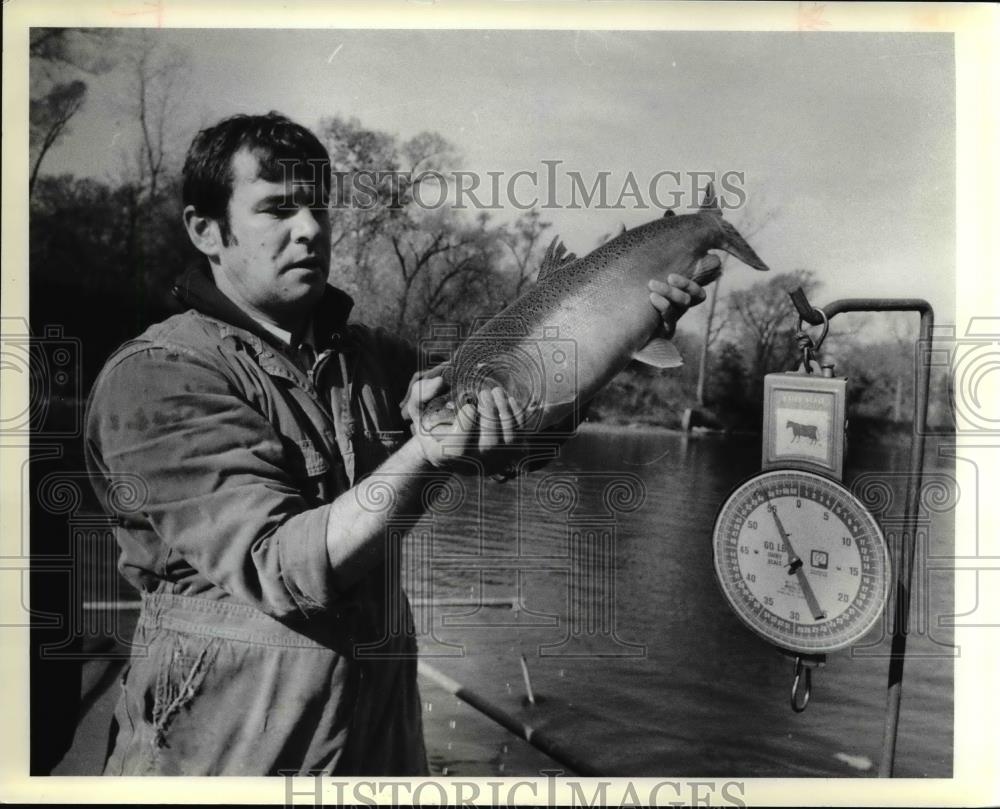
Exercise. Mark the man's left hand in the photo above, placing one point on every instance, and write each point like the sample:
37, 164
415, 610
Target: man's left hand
673, 298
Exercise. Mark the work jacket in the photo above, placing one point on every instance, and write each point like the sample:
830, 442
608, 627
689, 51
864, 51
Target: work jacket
219, 456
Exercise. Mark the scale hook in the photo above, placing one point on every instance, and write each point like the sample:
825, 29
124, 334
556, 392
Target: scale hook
801, 686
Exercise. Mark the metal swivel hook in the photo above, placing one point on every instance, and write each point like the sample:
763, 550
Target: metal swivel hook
806, 344
801, 686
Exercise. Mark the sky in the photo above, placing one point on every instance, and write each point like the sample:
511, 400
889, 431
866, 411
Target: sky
846, 140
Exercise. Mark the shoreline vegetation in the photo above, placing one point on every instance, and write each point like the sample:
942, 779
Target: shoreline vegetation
865, 430
860, 428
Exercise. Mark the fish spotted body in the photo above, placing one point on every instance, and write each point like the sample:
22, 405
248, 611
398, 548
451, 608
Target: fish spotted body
559, 343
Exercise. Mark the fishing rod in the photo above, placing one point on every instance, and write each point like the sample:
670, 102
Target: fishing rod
536, 738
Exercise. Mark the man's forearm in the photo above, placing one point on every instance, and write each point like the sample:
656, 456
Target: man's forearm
356, 534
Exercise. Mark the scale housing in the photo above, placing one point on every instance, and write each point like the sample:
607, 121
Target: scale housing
804, 423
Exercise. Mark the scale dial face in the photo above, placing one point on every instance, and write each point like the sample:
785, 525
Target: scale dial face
801, 561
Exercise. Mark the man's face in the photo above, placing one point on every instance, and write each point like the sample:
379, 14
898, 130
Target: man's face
277, 258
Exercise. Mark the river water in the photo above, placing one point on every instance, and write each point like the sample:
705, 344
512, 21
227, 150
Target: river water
636, 663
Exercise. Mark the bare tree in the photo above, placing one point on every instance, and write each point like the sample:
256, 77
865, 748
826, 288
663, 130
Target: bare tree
522, 239
59, 56
48, 118
414, 263
437, 259
749, 227
363, 163
86, 49
375, 180
158, 74
156, 71
768, 320
464, 281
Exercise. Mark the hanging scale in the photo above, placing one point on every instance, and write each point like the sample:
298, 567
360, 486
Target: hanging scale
798, 557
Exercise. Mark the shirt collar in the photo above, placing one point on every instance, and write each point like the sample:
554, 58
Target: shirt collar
197, 290
285, 336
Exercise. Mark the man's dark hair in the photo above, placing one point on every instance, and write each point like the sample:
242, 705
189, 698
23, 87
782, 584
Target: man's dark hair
279, 144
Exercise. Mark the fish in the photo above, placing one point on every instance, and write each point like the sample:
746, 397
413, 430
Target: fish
554, 347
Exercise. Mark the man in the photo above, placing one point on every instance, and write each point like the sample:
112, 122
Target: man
273, 458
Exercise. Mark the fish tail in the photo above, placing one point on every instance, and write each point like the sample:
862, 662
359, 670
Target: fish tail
733, 243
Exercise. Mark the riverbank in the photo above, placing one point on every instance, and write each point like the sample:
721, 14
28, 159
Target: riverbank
616, 427
859, 429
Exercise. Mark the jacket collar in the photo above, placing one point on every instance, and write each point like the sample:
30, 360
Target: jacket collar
197, 290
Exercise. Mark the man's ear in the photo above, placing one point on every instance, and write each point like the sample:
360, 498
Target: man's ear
203, 231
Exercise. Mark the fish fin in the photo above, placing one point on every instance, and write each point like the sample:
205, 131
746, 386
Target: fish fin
554, 258
710, 204
668, 212
733, 243
660, 353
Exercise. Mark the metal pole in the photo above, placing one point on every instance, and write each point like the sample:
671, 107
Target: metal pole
703, 361
903, 554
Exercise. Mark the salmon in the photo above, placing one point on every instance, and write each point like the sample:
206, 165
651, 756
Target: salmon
585, 319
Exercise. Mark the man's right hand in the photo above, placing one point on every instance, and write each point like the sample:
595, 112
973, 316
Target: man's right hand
486, 432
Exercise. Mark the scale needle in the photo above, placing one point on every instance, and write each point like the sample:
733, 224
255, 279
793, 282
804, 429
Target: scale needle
795, 566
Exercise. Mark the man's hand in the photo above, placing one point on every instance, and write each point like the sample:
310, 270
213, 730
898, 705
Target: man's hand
674, 298
485, 432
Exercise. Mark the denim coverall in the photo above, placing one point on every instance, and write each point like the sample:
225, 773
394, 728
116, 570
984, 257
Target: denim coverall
246, 658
